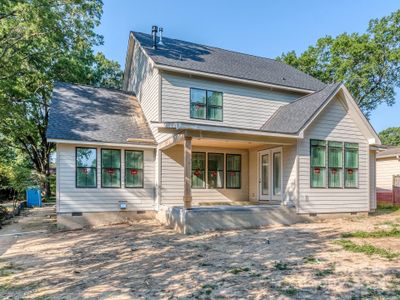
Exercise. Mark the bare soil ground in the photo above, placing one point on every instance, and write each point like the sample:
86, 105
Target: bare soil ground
147, 261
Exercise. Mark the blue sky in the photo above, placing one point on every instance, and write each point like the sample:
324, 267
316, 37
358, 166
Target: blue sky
266, 28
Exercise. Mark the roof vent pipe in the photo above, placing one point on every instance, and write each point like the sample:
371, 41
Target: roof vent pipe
161, 30
154, 30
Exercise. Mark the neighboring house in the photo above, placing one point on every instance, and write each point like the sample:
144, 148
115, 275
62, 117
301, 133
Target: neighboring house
198, 124
388, 176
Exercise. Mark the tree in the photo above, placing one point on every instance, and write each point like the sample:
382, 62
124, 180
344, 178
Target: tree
369, 63
390, 136
42, 41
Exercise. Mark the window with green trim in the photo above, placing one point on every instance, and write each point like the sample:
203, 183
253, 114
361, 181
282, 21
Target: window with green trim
86, 167
215, 170
335, 164
134, 175
110, 168
206, 104
318, 163
233, 171
351, 165
198, 170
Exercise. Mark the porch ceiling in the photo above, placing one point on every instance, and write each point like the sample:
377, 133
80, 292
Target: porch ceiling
204, 142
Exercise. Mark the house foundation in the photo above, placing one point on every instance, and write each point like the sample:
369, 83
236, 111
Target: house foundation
72, 221
203, 219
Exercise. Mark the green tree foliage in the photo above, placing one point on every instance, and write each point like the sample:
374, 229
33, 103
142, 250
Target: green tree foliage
369, 63
390, 136
43, 41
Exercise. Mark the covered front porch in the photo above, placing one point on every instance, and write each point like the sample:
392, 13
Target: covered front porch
214, 181
205, 168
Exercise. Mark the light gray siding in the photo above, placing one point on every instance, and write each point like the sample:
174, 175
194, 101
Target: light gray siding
172, 179
372, 176
144, 81
243, 106
72, 199
334, 123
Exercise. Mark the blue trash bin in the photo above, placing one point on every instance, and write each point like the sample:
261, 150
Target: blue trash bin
33, 197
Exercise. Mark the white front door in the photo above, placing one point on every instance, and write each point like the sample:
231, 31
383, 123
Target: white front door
270, 174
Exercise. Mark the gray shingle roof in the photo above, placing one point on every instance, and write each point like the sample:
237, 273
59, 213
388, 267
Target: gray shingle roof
292, 117
84, 113
390, 152
196, 57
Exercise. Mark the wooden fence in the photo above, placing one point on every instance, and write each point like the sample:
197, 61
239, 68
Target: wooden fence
390, 197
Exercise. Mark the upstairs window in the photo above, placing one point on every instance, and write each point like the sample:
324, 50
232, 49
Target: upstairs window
351, 165
206, 105
86, 167
110, 168
133, 169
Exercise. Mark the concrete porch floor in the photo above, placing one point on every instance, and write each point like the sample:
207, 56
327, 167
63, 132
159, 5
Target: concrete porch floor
203, 219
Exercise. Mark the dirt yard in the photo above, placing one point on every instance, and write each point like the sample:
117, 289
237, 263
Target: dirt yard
146, 261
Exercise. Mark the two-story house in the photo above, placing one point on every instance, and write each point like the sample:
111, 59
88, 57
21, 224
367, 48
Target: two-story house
200, 125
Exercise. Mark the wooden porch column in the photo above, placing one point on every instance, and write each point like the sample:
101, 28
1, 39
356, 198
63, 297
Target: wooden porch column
187, 167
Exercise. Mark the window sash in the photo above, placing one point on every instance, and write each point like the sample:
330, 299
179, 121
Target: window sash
318, 153
318, 177
198, 170
86, 167
351, 178
86, 177
233, 171
206, 104
215, 171
110, 168
134, 165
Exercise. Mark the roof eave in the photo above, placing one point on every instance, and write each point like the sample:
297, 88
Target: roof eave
112, 144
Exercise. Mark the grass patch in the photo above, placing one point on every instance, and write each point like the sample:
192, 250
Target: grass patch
311, 260
388, 207
395, 232
281, 266
367, 249
238, 270
206, 289
289, 290
326, 272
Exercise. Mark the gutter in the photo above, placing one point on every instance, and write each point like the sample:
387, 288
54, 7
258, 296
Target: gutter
127, 145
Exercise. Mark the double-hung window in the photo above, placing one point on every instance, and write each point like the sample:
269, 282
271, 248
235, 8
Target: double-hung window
335, 164
198, 170
233, 171
351, 165
205, 104
86, 167
215, 170
133, 169
318, 163
110, 168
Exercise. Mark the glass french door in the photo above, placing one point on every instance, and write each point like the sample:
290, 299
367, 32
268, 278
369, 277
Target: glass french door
270, 174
